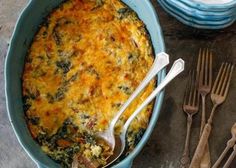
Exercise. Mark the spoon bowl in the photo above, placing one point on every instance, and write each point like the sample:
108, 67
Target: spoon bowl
108, 136
117, 151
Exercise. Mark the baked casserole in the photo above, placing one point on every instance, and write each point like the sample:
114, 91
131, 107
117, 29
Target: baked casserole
85, 61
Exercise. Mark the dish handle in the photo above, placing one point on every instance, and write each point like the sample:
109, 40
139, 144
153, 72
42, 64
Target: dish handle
125, 164
128, 164
40, 166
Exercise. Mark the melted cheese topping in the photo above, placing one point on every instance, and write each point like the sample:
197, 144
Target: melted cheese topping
84, 63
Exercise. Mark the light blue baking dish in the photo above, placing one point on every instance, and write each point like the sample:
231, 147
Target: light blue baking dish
27, 25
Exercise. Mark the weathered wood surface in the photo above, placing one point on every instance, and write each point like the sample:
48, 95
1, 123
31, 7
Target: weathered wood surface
165, 146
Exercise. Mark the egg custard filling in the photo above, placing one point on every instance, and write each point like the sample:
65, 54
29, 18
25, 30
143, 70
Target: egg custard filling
83, 64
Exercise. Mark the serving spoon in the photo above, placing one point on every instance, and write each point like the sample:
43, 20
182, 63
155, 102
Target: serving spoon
161, 60
177, 68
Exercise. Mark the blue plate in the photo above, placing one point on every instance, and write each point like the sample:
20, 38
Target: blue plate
193, 23
175, 10
198, 14
27, 25
208, 7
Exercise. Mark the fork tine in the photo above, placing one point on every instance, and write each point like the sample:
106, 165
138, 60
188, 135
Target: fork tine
210, 70
199, 62
202, 67
194, 88
191, 89
221, 79
198, 97
199, 67
217, 79
195, 96
186, 94
206, 67
228, 82
226, 76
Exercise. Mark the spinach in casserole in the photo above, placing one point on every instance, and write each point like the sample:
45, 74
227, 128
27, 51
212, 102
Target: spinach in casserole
83, 64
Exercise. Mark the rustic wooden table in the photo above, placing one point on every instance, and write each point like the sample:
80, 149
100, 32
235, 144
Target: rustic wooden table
165, 146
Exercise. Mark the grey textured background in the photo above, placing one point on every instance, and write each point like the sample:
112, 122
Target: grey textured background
165, 146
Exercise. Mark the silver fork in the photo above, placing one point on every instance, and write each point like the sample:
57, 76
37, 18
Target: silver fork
231, 157
218, 96
190, 107
204, 69
230, 144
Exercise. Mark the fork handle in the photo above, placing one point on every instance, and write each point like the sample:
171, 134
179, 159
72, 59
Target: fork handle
206, 159
203, 140
230, 144
201, 146
185, 160
231, 158
203, 117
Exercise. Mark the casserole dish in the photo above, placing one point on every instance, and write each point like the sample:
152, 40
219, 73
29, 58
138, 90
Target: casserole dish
33, 15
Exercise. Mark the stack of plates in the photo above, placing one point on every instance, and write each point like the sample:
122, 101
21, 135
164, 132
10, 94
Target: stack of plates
205, 14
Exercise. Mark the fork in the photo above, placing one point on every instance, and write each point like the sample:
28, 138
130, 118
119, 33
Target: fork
231, 157
204, 70
230, 144
218, 96
190, 107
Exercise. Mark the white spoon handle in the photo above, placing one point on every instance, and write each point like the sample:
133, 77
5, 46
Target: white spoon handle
176, 69
161, 60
